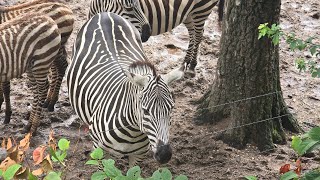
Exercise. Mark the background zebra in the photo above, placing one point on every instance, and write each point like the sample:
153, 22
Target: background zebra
130, 9
63, 17
164, 15
116, 91
29, 44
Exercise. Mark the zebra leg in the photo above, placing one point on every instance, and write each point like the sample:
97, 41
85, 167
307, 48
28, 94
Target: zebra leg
40, 89
6, 94
198, 35
61, 65
190, 26
52, 77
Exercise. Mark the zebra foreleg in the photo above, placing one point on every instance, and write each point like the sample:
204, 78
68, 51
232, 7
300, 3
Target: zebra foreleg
198, 36
188, 58
6, 95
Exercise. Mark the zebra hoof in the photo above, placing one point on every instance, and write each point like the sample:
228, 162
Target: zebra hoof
51, 108
45, 104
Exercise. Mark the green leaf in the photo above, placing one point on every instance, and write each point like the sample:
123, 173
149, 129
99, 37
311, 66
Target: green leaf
109, 168
63, 156
32, 177
134, 173
289, 175
98, 176
166, 174
314, 133
312, 175
11, 171
261, 26
276, 39
313, 50
97, 154
251, 178
1, 172
63, 144
56, 156
181, 177
53, 176
295, 144
156, 175
305, 146
92, 162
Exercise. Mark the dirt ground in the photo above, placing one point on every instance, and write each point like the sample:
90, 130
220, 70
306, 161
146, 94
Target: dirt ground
196, 152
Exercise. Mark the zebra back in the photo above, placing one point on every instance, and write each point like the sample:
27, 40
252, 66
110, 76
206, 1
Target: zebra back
60, 13
129, 9
31, 41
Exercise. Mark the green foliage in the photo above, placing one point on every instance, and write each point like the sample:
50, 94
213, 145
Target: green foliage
274, 33
289, 175
61, 153
97, 154
110, 171
306, 143
53, 176
312, 175
251, 178
11, 171
32, 177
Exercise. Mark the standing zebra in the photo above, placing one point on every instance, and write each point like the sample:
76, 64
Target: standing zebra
63, 17
129, 9
164, 15
116, 91
29, 44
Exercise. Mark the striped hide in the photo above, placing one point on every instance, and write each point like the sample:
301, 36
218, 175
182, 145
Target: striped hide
164, 15
63, 17
116, 91
29, 44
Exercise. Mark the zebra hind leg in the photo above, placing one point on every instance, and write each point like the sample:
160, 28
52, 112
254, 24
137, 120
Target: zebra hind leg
40, 89
58, 69
189, 56
6, 95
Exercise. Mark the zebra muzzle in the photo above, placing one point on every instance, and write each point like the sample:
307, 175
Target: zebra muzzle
163, 153
145, 32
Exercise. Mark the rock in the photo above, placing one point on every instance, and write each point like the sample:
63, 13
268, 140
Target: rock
3, 154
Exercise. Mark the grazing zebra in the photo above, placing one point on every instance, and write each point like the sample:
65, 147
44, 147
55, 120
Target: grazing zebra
29, 44
164, 15
129, 9
116, 91
63, 17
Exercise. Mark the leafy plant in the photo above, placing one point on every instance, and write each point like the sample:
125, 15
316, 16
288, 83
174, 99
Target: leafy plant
275, 32
12, 168
134, 173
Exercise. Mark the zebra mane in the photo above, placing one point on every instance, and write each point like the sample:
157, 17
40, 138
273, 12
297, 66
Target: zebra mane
144, 65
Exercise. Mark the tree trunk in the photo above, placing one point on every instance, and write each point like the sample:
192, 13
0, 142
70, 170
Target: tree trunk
247, 86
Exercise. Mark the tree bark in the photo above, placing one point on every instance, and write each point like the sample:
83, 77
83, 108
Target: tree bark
247, 82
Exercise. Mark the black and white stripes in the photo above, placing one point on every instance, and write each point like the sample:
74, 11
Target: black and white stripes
29, 44
164, 15
63, 17
117, 92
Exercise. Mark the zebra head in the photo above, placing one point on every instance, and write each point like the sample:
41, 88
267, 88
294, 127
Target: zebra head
156, 103
132, 11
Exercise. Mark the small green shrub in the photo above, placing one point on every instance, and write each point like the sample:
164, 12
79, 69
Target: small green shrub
134, 173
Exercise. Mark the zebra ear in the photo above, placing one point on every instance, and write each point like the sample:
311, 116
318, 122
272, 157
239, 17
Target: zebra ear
173, 75
137, 79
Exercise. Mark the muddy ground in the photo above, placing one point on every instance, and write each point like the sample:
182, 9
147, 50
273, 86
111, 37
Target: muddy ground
196, 152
